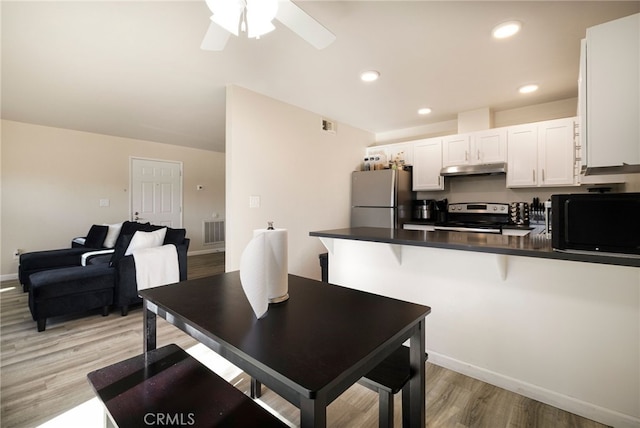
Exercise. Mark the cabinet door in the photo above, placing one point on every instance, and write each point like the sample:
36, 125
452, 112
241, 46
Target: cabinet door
612, 93
522, 166
489, 146
556, 153
427, 163
455, 150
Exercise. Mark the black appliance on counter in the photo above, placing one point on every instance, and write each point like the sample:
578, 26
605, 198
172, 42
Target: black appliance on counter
484, 217
596, 223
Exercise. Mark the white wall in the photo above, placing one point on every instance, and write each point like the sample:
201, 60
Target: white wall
499, 118
564, 333
53, 179
278, 152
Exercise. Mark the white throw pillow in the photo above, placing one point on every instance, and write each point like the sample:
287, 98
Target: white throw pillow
112, 235
142, 240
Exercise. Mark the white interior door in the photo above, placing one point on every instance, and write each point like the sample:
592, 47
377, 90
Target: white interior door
156, 192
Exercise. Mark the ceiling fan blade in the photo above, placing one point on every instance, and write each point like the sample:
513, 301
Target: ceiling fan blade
215, 39
304, 25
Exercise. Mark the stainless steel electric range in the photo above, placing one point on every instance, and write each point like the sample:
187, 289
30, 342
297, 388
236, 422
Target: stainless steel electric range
482, 217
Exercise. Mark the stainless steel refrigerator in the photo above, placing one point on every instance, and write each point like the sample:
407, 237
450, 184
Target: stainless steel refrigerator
381, 198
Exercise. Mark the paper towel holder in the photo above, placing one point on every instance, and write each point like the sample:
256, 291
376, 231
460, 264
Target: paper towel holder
280, 299
285, 296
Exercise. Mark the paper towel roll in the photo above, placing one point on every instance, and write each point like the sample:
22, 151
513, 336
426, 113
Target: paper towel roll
264, 269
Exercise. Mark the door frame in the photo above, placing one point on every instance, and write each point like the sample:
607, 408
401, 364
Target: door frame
181, 166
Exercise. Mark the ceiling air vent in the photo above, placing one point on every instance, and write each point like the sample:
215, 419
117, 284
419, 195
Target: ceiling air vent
328, 126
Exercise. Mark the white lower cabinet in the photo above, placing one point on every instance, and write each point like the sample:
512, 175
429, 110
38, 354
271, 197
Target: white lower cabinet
542, 154
427, 164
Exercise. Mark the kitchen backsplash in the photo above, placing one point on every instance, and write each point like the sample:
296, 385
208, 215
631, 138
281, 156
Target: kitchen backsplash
492, 188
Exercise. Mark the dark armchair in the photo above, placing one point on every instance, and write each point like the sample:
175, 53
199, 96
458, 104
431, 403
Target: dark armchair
106, 280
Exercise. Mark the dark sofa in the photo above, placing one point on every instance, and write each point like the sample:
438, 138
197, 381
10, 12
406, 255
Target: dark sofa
107, 279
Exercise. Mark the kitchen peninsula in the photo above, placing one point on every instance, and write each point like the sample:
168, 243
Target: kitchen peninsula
561, 328
528, 246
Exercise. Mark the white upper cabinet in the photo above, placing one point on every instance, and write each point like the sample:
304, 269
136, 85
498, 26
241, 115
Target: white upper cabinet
481, 147
522, 164
455, 150
610, 93
542, 154
490, 146
427, 163
556, 152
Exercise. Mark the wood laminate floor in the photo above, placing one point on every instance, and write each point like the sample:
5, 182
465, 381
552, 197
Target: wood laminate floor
44, 374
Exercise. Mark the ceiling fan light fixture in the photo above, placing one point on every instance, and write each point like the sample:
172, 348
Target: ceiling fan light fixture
252, 16
259, 14
369, 76
227, 13
506, 29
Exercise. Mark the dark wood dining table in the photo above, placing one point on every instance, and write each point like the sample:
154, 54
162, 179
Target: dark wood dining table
308, 349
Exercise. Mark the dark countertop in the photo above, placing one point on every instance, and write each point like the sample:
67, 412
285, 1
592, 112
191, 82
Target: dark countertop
527, 246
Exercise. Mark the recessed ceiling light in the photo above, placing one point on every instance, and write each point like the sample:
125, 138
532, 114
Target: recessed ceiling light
369, 76
506, 29
527, 89
424, 110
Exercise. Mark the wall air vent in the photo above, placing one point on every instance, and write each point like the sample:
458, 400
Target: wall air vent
328, 126
213, 232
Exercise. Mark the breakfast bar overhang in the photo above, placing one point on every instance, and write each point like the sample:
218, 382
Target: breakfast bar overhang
560, 328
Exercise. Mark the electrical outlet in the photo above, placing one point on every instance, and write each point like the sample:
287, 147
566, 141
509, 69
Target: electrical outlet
16, 254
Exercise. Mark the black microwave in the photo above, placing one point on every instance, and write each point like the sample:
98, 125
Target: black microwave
596, 222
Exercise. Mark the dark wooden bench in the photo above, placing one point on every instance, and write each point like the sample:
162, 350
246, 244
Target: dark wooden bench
387, 379
169, 387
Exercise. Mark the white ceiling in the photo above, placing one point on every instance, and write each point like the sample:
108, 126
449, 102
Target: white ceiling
135, 68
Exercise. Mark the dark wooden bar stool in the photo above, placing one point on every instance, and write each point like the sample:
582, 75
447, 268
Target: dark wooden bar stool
387, 379
168, 387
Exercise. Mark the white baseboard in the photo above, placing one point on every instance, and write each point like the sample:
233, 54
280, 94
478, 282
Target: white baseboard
9, 277
208, 251
552, 398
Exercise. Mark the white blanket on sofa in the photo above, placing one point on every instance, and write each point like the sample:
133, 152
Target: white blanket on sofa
156, 266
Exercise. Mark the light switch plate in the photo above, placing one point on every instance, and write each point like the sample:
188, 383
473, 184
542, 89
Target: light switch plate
254, 201
104, 202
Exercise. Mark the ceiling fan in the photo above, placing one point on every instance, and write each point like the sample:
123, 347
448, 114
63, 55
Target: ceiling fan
255, 16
